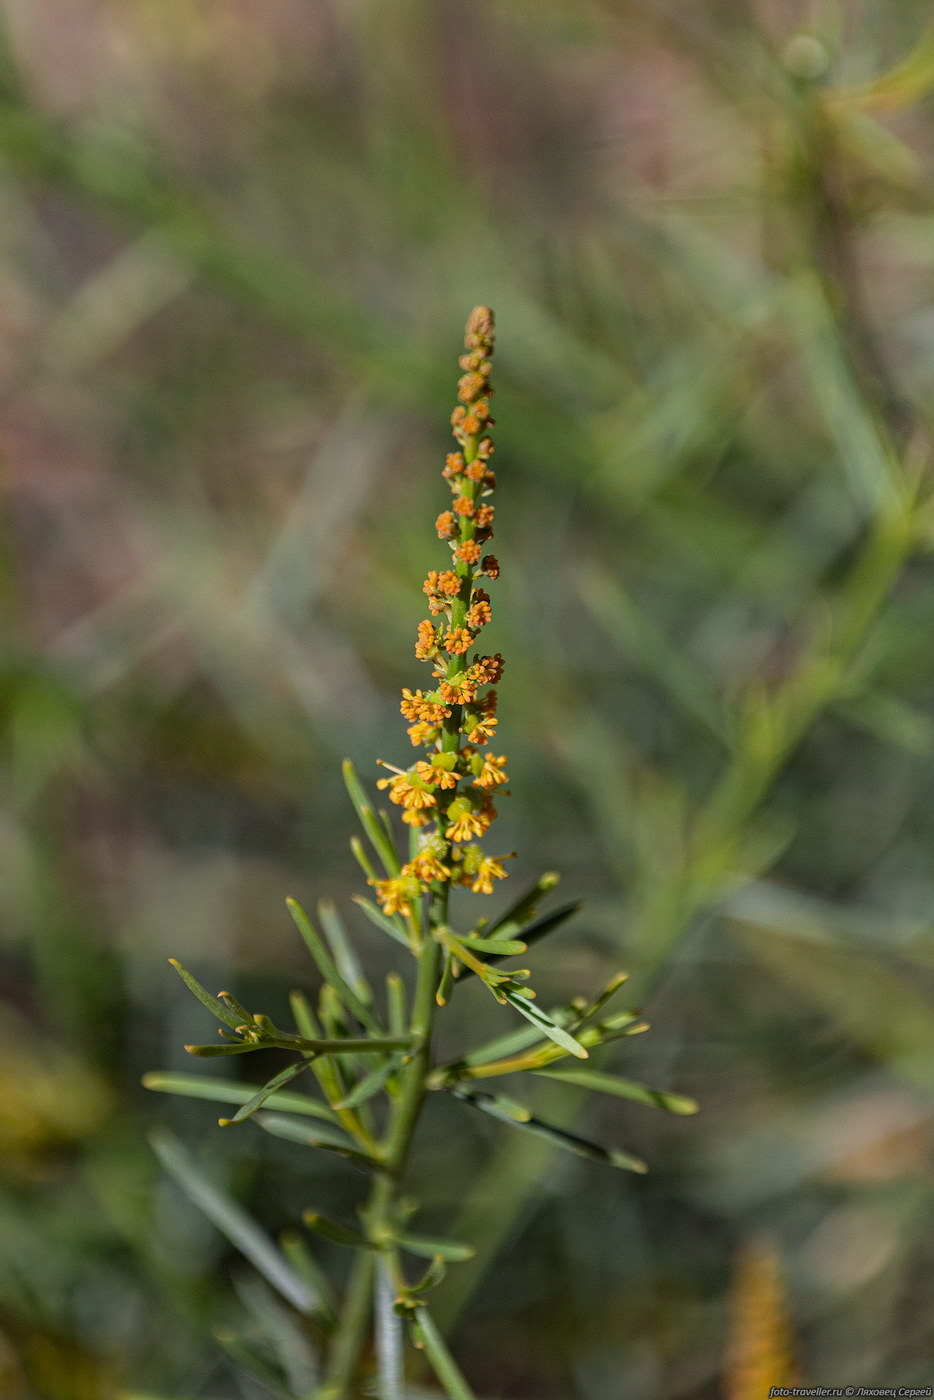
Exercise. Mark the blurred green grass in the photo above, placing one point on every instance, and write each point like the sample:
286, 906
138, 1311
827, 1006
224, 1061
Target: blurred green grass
238, 247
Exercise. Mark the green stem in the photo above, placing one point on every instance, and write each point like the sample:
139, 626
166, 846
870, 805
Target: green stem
352, 1332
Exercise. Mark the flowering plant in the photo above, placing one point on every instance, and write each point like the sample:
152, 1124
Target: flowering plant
374, 1069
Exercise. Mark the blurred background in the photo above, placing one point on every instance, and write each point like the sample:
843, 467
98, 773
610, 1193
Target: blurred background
239, 243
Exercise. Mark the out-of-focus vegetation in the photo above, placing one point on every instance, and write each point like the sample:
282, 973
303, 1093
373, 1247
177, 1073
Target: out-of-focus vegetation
239, 242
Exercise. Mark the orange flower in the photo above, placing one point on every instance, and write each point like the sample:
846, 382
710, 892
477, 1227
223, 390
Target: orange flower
470, 387
458, 690
463, 505
469, 551
458, 640
445, 525
434, 772
492, 771
484, 517
488, 870
408, 791
427, 644
453, 462
477, 470
458, 416
422, 733
471, 425
487, 670
479, 613
415, 705
465, 823
427, 866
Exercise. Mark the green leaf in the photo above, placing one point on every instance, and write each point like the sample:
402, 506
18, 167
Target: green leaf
233, 1222
211, 1052
370, 1086
543, 1021
252, 1361
524, 908
622, 1088
428, 1339
395, 1004
381, 842
513, 1043
322, 1135
381, 920
216, 1008
504, 947
342, 949
451, 1251
328, 968
338, 1234
197, 1086
559, 1137
259, 1098
433, 1275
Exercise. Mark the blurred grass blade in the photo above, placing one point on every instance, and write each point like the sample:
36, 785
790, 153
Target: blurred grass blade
306, 1266
342, 950
427, 1338
390, 1372
257, 1100
197, 1086
543, 1021
328, 968
232, 1222
451, 1251
622, 1088
217, 1008
381, 842
253, 1362
559, 1137
292, 1346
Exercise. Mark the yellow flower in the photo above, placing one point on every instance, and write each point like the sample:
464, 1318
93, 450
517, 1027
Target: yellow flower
489, 870
408, 791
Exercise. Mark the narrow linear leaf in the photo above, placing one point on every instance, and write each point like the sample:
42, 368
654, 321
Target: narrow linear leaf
217, 1008
322, 1135
211, 1052
343, 950
451, 1251
395, 1004
503, 947
233, 1222
427, 1337
328, 968
257, 1100
559, 1137
622, 1088
433, 1275
381, 842
523, 1038
370, 1086
197, 1086
543, 1021
335, 1232
381, 920
524, 908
